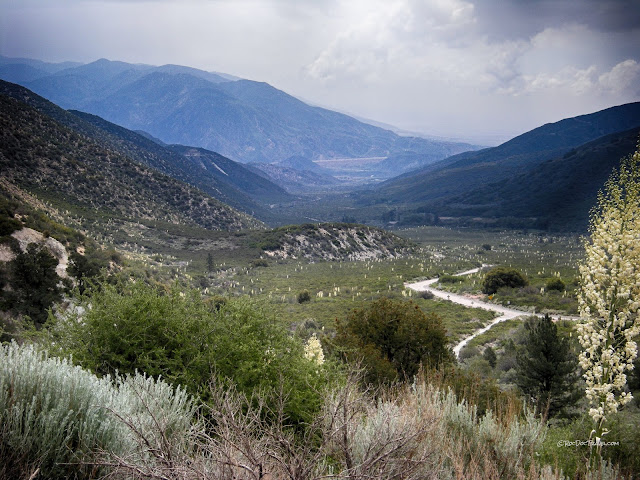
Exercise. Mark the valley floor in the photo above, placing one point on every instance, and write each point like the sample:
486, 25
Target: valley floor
505, 313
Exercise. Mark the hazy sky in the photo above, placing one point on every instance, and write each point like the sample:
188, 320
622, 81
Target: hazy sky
481, 69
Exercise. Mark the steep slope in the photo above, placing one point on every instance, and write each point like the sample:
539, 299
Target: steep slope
244, 120
559, 192
233, 173
224, 179
96, 185
238, 186
453, 176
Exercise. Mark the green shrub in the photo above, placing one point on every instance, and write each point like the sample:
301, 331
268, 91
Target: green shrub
450, 279
500, 277
8, 225
185, 340
490, 356
304, 296
56, 417
426, 295
392, 339
556, 284
35, 284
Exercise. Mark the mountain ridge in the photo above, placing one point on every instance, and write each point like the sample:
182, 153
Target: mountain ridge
240, 189
452, 176
244, 120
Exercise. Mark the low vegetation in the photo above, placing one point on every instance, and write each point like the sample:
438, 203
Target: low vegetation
59, 421
178, 336
140, 428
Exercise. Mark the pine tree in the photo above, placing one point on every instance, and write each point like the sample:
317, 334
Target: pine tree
35, 283
547, 368
490, 356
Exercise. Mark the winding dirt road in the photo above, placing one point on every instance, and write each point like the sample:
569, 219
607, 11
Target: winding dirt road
505, 313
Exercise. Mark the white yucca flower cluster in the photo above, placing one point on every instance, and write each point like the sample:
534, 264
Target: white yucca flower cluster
313, 350
609, 299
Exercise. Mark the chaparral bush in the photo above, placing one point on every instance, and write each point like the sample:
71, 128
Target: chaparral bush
392, 339
185, 340
58, 419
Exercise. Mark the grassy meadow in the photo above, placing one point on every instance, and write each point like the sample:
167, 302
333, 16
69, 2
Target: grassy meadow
240, 268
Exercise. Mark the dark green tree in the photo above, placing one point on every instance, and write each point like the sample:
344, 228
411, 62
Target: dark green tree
84, 268
392, 339
34, 283
547, 369
304, 296
500, 277
490, 356
556, 284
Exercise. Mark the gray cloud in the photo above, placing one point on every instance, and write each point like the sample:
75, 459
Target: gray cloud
524, 18
448, 67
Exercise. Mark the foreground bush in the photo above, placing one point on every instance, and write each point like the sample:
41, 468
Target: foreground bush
59, 420
417, 432
179, 337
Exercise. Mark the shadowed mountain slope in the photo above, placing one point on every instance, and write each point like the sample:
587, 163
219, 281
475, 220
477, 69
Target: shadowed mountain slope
456, 175
559, 192
93, 183
233, 184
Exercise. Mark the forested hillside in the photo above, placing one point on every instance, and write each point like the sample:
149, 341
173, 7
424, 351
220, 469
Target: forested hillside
233, 184
469, 184
75, 173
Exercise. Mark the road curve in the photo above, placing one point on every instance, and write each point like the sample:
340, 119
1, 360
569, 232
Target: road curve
505, 313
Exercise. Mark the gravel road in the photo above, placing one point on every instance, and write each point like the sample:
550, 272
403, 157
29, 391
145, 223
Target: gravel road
505, 313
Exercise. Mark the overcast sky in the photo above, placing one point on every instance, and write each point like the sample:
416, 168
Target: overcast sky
484, 70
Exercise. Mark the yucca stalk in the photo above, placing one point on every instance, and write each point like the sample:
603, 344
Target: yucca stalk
609, 297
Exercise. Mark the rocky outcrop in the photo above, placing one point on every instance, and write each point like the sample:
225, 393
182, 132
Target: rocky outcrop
26, 236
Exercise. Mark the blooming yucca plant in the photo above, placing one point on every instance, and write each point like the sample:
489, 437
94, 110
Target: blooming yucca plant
609, 298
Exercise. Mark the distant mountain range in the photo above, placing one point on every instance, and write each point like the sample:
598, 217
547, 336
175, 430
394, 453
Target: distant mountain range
558, 193
567, 161
244, 120
545, 178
